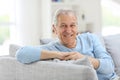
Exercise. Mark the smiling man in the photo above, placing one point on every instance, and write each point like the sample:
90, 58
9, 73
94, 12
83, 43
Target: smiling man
66, 29
71, 46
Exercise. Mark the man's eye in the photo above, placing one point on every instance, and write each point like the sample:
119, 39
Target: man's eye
62, 26
73, 25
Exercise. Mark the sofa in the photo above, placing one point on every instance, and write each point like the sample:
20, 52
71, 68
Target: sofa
11, 69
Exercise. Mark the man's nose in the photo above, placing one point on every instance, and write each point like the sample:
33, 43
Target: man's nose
68, 29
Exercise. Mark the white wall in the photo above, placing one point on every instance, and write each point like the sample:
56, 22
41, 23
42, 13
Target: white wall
32, 21
46, 19
92, 10
118, 1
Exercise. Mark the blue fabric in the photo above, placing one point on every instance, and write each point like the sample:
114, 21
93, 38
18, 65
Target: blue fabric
28, 54
87, 44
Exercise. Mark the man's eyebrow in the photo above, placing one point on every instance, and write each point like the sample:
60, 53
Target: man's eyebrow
73, 23
62, 23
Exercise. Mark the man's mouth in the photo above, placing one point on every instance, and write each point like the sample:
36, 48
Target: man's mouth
68, 36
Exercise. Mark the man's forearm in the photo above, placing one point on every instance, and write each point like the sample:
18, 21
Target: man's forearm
48, 54
53, 54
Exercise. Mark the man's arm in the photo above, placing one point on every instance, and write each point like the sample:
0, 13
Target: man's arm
45, 54
106, 65
29, 54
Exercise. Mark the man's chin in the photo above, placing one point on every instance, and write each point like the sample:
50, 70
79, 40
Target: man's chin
68, 42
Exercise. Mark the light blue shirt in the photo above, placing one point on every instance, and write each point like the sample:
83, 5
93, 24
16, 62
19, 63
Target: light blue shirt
87, 44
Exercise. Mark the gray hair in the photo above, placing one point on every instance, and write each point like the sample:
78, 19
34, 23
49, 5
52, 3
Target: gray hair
63, 12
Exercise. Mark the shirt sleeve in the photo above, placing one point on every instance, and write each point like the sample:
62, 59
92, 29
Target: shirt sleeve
28, 54
106, 63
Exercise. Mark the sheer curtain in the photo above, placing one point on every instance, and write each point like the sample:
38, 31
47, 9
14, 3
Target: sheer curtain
33, 18
110, 17
7, 20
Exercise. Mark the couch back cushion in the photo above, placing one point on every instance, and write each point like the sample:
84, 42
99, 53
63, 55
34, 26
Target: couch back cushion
112, 44
13, 48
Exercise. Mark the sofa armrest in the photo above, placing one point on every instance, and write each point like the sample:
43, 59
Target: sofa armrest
11, 69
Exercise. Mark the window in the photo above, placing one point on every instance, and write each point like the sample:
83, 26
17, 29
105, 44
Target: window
7, 19
110, 17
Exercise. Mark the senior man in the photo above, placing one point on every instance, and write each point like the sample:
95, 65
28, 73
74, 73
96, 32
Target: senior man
71, 46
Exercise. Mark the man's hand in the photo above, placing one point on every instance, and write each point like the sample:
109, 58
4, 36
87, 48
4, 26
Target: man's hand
61, 55
73, 56
77, 55
67, 56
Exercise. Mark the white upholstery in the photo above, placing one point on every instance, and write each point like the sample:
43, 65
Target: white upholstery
11, 69
112, 44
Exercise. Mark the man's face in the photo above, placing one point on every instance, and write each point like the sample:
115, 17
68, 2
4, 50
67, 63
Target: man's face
66, 29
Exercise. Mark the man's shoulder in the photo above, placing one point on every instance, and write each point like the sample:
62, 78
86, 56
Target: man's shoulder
86, 35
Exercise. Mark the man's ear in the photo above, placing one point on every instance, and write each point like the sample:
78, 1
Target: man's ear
54, 29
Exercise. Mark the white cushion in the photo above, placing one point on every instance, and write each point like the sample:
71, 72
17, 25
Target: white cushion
112, 44
11, 69
13, 48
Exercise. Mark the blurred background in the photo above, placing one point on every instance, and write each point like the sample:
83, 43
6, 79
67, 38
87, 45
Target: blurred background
25, 22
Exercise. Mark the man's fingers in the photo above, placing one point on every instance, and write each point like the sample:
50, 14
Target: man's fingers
70, 57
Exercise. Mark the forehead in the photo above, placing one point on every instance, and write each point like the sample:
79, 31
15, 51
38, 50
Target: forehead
66, 17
